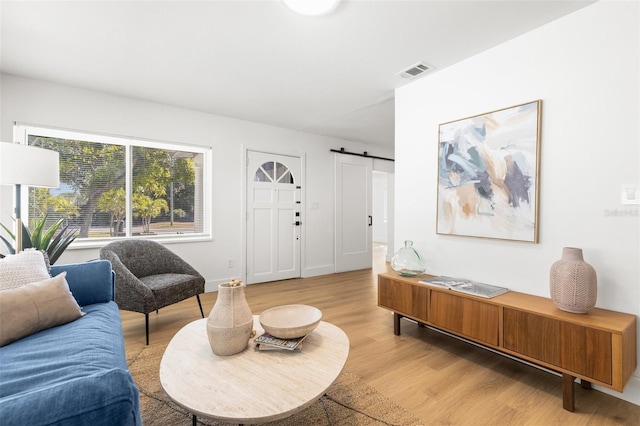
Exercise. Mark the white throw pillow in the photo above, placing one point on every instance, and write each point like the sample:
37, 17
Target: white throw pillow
26, 267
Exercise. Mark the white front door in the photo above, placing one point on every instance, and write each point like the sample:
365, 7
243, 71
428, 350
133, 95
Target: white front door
353, 213
273, 217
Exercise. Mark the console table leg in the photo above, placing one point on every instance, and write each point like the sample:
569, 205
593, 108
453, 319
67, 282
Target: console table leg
568, 401
396, 323
585, 384
194, 420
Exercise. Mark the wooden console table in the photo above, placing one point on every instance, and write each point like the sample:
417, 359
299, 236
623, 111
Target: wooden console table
598, 347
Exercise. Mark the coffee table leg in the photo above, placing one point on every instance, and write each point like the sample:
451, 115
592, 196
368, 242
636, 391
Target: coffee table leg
194, 420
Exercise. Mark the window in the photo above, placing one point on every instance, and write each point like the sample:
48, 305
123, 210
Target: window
115, 187
273, 171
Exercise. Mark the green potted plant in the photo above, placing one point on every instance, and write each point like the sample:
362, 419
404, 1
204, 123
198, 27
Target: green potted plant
47, 240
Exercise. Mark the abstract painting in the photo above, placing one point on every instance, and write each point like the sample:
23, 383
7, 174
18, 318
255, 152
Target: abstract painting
488, 168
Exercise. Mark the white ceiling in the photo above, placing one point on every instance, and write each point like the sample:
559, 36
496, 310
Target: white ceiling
256, 60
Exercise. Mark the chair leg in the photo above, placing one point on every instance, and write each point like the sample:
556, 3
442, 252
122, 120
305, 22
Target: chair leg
146, 326
200, 305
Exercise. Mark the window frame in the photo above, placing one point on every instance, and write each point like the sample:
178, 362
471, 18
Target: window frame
21, 134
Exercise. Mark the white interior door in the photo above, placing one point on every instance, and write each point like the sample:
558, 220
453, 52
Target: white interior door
353, 213
273, 217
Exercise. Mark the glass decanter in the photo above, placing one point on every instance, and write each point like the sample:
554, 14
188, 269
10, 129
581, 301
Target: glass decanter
408, 262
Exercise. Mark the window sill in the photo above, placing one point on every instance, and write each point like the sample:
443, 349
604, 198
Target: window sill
100, 242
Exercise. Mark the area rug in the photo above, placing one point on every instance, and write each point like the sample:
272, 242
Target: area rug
349, 401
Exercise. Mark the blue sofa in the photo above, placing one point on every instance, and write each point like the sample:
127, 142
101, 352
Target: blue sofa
76, 373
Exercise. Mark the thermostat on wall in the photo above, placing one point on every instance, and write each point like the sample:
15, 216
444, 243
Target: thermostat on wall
630, 194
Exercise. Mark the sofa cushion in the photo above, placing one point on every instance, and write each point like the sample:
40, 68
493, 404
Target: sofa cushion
36, 306
76, 374
90, 282
26, 267
105, 398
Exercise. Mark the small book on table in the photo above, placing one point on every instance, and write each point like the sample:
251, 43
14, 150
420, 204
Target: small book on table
267, 342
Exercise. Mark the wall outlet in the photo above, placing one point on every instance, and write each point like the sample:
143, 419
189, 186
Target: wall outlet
230, 263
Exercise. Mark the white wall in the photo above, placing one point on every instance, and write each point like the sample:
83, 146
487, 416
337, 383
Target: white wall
47, 104
585, 68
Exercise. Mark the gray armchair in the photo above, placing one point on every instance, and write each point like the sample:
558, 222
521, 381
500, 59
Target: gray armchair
149, 276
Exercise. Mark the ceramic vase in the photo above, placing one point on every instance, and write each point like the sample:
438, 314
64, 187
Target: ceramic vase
573, 282
408, 262
230, 322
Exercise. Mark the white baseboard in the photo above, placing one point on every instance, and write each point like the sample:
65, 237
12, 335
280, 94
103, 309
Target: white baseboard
212, 285
631, 391
318, 270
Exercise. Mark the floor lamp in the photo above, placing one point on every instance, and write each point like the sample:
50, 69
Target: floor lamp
27, 165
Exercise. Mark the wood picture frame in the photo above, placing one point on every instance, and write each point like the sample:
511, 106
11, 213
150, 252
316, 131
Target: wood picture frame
488, 174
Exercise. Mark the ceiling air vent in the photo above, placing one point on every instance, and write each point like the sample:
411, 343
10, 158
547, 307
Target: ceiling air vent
415, 70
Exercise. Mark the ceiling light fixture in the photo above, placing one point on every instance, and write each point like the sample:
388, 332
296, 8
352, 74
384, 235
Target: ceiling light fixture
311, 7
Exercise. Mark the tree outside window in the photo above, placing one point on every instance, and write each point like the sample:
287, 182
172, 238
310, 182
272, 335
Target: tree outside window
163, 190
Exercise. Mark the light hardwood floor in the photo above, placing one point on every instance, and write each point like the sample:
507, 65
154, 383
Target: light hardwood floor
439, 379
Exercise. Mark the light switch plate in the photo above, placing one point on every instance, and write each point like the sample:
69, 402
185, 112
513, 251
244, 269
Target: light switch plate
630, 194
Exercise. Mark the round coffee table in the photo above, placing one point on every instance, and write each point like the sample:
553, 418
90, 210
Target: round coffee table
251, 386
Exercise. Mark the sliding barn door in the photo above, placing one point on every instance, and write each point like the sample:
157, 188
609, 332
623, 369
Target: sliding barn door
353, 230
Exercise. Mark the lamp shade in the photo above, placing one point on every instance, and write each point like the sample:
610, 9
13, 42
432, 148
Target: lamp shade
29, 166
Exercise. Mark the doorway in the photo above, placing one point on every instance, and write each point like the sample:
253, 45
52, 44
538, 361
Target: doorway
365, 211
274, 185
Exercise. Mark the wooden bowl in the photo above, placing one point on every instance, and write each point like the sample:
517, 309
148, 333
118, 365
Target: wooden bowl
289, 321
